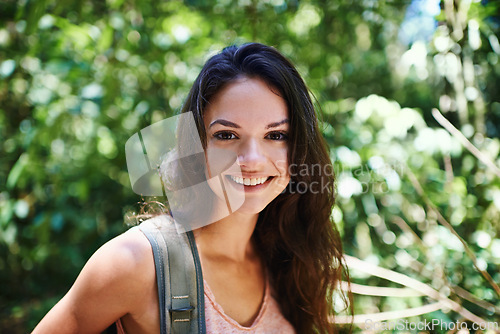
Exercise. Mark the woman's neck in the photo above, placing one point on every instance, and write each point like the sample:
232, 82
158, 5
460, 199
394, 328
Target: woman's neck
229, 238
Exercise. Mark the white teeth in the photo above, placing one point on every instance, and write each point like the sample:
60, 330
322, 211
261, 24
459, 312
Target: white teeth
249, 182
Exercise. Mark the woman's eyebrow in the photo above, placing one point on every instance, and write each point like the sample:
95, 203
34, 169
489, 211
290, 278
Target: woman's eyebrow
230, 124
276, 124
225, 123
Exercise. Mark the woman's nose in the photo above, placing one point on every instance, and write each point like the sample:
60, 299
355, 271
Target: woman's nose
251, 154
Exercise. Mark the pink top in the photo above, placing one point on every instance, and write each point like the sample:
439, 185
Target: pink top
269, 319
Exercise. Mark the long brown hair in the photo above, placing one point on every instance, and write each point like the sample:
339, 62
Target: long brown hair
295, 235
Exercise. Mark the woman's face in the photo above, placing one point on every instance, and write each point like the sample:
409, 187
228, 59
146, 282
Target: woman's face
250, 121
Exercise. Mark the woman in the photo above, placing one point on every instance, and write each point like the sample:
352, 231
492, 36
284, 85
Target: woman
273, 264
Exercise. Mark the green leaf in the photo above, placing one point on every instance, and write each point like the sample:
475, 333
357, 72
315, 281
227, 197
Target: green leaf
17, 170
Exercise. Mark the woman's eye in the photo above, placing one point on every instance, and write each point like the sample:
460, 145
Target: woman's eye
224, 135
277, 136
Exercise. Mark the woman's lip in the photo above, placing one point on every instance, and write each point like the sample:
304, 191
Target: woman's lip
250, 187
253, 176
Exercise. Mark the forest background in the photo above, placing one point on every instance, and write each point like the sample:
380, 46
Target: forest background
410, 106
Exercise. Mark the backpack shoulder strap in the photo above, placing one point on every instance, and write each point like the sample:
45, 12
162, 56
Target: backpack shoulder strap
178, 275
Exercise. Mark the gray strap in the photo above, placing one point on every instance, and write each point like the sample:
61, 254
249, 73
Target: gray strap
179, 277
181, 287
162, 279
199, 282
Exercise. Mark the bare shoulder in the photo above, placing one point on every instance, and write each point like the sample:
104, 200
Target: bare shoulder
125, 260
129, 255
113, 283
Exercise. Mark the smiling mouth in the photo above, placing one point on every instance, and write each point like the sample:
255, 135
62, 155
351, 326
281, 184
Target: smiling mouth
250, 182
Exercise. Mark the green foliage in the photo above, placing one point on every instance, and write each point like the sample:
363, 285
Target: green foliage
78, 79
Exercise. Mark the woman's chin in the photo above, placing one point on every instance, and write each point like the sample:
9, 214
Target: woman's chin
250, 209
252, 206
